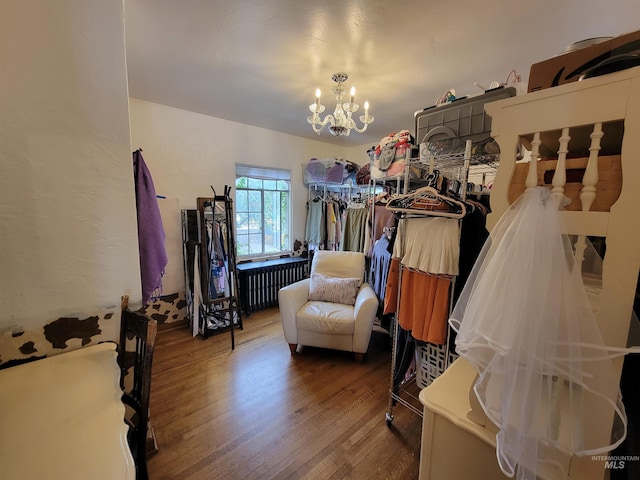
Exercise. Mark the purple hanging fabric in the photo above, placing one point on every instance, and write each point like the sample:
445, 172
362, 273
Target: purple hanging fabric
151, 236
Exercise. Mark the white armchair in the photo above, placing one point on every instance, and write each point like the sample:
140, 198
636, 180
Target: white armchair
312, 310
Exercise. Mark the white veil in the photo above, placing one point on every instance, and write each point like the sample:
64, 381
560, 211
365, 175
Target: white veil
525, 322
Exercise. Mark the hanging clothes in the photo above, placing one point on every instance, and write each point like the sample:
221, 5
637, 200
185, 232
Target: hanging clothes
424, 302
332, 220
217, 258
151, 235
378, 218
355, 218
430, 244
428, 249
392, 287
424, 306
315, 231
380, 262
473, 234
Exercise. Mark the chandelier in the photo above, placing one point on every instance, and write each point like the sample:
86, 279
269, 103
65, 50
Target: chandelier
341, 121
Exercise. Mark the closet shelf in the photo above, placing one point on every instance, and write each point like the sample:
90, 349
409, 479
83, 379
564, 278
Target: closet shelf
475, 159
337, 187
455, 163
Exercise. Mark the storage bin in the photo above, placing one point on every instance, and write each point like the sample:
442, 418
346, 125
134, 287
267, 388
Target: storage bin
330, 170
431, 362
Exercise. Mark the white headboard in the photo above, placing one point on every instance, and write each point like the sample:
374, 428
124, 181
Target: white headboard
610, 103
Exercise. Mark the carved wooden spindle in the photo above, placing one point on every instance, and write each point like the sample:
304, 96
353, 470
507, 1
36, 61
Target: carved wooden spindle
532, 174
589, 181
581, 246
560, 175
590, 178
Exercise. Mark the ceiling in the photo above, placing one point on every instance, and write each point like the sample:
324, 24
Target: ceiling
259, 62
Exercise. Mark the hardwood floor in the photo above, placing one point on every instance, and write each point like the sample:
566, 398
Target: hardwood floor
259, 413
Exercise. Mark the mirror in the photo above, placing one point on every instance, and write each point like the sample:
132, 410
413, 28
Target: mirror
214, 270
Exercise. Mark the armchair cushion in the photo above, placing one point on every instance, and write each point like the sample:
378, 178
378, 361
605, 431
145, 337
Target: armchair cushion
333, 289
326, 317
338, 264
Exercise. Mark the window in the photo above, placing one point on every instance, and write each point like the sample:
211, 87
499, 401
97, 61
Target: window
262, 210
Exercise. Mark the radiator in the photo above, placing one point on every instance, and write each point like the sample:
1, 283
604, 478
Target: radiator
259, 282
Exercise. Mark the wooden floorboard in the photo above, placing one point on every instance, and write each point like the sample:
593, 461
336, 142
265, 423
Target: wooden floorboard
258, 412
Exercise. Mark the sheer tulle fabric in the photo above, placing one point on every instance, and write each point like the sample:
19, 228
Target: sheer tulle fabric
525, 322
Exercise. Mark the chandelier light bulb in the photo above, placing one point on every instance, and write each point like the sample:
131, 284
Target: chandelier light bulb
353, 93
366, 118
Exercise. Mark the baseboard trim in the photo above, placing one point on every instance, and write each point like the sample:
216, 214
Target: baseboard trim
163, 327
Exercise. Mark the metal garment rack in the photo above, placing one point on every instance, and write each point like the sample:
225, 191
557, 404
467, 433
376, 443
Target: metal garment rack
348, 189
223, 309
355, 192
454, 165
462, 122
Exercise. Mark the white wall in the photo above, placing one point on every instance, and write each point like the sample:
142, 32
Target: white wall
188, 152
68, 238
358, 154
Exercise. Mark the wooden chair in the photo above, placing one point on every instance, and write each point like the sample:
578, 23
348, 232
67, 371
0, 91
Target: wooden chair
137, 387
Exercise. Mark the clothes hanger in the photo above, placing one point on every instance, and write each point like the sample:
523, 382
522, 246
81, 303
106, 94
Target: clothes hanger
427, 201
356, 202
318, 194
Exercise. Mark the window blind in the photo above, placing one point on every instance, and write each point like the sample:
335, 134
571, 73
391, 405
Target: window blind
264, 173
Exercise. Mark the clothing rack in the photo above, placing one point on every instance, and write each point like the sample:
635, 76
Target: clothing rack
347, 195
224, 307
433, 359
210, 266
454, 142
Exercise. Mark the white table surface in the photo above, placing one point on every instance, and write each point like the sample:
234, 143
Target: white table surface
62, 418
